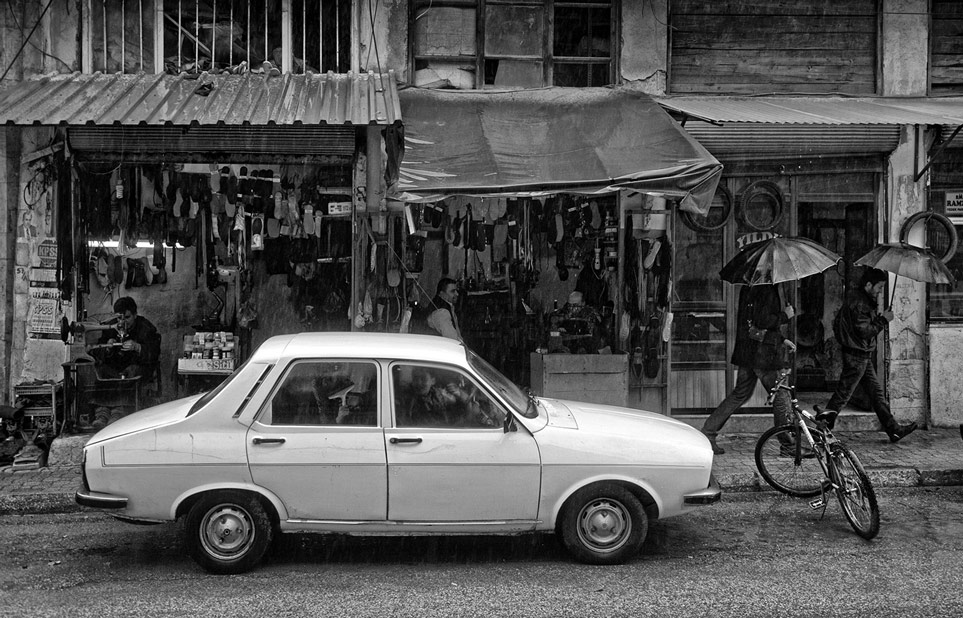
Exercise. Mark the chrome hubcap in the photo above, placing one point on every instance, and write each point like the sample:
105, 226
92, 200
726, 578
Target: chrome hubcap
604, 525
227, 531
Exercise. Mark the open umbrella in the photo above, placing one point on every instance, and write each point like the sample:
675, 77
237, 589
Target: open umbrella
777, 260
909, 261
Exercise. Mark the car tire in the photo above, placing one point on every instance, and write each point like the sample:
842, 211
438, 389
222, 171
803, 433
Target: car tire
228, 532
603, 524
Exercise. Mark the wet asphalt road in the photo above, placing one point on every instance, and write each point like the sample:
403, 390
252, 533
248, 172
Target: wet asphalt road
752, 555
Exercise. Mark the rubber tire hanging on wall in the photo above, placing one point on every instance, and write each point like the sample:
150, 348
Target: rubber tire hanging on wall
707, 223
943, 222
762, 189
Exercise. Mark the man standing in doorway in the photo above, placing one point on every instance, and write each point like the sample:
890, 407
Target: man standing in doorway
758, 354
857, 325
443, 319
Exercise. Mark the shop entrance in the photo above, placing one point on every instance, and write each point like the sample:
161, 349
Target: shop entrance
835, 210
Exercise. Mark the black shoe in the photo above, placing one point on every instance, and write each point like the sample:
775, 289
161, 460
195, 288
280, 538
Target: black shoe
900, 432
789, 450
827, 416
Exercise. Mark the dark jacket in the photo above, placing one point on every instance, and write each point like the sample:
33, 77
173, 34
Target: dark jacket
144, 333
760, 307
859, 324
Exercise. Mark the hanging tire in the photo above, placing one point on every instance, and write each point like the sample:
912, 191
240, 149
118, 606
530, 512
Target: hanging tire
762, 190
719, 211
943, 227
228, 532
603, 524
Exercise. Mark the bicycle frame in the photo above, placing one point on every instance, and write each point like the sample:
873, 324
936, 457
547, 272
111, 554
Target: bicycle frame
819, 441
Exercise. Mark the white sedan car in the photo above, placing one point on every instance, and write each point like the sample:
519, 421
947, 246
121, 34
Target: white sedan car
376, 434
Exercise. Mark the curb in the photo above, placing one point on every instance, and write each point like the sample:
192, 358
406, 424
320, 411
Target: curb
880, 477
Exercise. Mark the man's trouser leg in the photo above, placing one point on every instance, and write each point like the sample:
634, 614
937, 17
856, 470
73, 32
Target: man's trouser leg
781, 403
878, 398
853, 368
741, 392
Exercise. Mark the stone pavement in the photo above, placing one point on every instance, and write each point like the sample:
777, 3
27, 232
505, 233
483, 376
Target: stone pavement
925, 458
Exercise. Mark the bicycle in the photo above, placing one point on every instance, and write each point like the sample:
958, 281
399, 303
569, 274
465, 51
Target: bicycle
787, 458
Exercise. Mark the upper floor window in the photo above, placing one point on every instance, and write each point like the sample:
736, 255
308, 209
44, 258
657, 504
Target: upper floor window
513, 43
946, 47
293, 36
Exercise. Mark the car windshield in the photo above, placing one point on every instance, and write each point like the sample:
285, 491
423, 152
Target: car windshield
519, 399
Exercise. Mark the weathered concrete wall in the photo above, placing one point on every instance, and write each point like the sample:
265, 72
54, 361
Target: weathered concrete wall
387, 48
9, 187
905, 47
907, 346
644, 46
946, 387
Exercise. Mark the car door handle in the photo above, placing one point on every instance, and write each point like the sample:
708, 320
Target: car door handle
268, 440
405, 440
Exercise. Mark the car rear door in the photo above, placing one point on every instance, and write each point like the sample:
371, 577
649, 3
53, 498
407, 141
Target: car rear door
317, 443
457, 469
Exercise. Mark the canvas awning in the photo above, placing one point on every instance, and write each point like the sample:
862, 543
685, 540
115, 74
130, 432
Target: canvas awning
530, 142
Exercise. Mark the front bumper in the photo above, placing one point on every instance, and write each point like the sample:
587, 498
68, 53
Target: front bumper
99, 500
709, 495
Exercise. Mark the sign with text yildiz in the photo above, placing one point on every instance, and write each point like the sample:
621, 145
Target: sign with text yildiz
954, 203
45, 311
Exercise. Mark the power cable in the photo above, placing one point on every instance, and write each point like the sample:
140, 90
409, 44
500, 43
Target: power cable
25, 41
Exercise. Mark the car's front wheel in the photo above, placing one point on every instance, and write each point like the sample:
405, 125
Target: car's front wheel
228, 532
603, 524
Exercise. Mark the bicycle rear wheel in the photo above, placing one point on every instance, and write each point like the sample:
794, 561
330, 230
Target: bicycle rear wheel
786, 461
855, 492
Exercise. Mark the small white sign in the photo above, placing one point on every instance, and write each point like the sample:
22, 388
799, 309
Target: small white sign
954, 203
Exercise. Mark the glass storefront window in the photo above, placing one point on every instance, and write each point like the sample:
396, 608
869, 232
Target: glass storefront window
946, 198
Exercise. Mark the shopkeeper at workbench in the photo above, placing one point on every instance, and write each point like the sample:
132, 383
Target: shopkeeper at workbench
132, 347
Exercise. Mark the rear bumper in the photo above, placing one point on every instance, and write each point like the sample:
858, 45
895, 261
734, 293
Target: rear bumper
99, 500
709, 495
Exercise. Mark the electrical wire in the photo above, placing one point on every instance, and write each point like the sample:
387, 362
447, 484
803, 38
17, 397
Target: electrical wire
16, 22
25, 41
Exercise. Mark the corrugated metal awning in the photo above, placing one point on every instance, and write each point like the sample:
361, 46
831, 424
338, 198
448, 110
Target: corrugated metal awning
588, 140
207, 99
807, 126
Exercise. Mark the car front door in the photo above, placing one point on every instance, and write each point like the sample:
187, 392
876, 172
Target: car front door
318, 445
449, 457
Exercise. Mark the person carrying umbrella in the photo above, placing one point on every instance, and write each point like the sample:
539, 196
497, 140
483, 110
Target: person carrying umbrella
856, 327
762, 347
759, 355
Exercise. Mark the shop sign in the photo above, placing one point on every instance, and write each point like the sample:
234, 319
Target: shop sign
954, 203
45, 312
748, 239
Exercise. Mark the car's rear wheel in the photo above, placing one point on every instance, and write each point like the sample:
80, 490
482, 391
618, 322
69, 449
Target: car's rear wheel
228, 532
603, 524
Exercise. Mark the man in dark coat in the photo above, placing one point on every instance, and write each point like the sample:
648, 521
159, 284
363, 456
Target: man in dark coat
859, 323
759, 355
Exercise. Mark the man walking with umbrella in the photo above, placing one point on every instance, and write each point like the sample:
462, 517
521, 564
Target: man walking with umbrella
759, 355
856, 328
762, 344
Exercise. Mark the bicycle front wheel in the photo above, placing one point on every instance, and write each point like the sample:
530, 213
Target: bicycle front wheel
787, 462
855, 492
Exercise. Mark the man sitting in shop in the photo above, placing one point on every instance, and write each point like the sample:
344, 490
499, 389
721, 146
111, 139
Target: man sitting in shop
132, 346
129, 350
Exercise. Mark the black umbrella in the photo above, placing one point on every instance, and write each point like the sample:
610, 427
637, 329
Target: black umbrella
777, 260
909, 261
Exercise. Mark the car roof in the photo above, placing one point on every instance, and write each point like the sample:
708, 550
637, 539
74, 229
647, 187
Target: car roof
361, 345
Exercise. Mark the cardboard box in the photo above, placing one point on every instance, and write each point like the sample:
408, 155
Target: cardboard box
205, 365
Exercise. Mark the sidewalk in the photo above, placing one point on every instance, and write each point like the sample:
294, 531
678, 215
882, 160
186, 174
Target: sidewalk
925, 458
